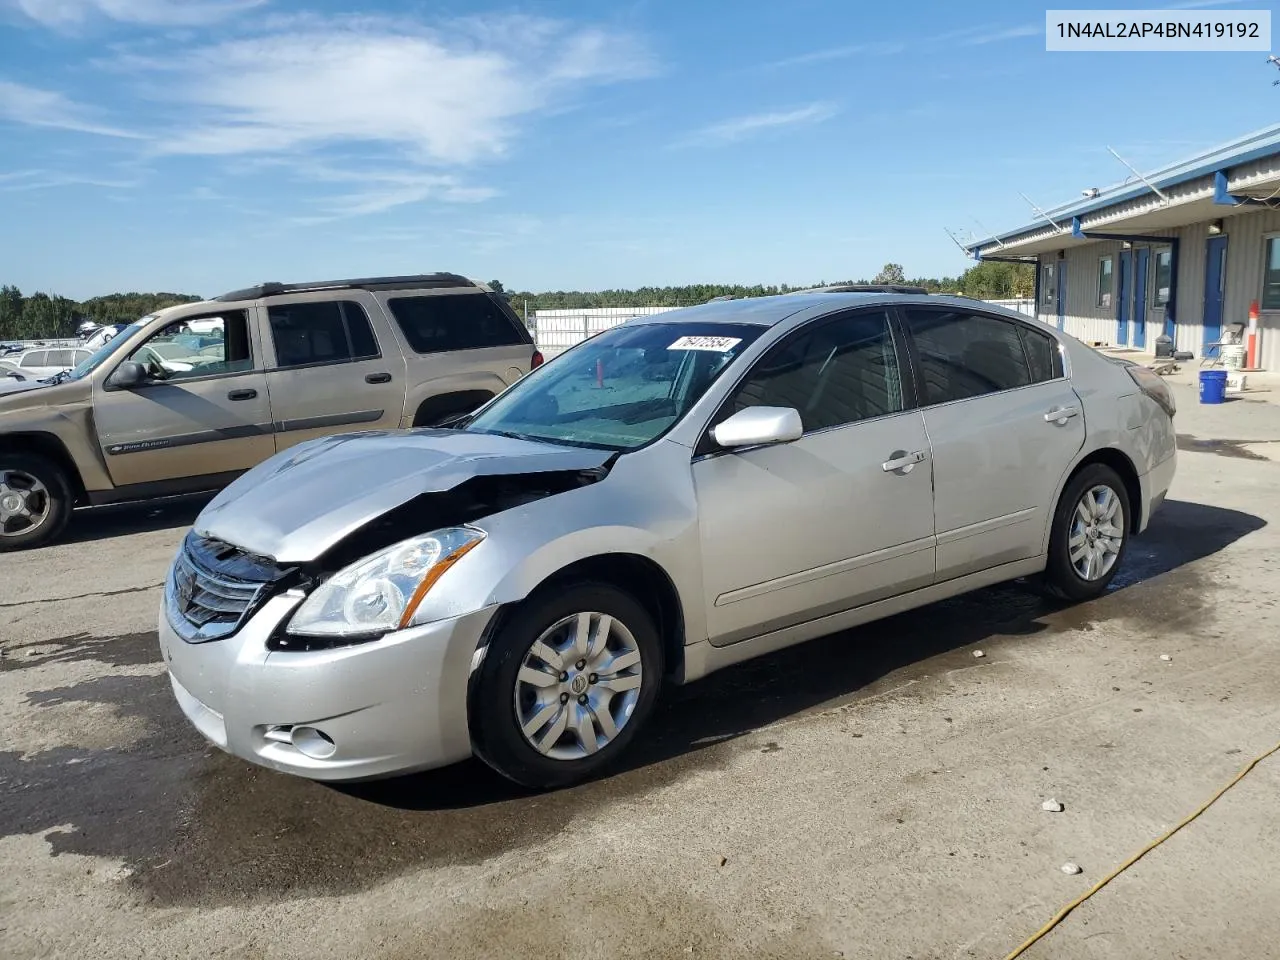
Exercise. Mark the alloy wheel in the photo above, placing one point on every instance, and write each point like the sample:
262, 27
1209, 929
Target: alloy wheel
1097, 533
24, 502
578, 686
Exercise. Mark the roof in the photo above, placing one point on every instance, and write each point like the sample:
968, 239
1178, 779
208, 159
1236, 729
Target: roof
1251, 163
425, 281
768, 311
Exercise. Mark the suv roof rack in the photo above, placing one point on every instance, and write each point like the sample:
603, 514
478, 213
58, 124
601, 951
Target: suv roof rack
417, 282
865, 288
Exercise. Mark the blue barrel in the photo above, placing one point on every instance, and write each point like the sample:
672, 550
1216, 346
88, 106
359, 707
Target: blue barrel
1213, 386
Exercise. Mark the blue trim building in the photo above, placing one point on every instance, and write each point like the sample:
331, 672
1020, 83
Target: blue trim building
1184, 250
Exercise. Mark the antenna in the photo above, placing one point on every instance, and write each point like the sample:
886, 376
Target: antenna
988, 232
957, 242
1274, 61
1040, 213
1135, 172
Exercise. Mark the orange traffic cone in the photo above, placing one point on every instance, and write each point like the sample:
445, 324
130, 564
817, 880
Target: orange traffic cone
1251, 339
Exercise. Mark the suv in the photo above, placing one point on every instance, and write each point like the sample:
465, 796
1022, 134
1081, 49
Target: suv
188, 398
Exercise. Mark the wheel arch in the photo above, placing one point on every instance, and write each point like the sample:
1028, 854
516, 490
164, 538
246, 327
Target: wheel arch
51, 447
1118, 461
438, 405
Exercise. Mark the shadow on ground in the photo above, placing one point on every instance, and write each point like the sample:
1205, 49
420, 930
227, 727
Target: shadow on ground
197, 826
102, 523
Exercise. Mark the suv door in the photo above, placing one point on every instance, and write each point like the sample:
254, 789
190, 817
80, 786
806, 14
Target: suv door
463, 346
203, 412
331, 373
1005, 425
839, 518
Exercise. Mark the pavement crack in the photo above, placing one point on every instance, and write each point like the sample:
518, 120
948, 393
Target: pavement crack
83, 596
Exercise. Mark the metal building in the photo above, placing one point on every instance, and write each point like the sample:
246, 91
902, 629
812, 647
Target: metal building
1184, 250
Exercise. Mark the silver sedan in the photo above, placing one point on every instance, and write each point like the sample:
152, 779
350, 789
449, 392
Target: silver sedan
675, 495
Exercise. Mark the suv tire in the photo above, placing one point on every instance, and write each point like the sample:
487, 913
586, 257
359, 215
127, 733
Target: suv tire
39, 486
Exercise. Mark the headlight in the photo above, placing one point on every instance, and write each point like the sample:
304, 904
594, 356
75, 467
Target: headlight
382, 592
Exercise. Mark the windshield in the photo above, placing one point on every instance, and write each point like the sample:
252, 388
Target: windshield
621, 389
100, 355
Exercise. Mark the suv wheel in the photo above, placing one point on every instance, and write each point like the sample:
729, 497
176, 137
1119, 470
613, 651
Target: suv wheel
1090, 534
35, 500
567, 682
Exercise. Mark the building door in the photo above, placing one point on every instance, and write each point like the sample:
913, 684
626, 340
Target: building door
1141, 258
1122, 300
1215, 278
1061, 274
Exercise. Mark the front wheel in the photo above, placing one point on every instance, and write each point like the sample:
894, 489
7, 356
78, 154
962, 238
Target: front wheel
35, 501
1090, 534
566, 684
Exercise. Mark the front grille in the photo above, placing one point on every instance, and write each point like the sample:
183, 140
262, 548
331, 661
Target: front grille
213, 588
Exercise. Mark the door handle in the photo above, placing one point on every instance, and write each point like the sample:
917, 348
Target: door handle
378, 378
901, 461
242, 394
1061, 415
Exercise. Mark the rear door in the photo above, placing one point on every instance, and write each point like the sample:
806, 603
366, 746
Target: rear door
330, 371
1004, 425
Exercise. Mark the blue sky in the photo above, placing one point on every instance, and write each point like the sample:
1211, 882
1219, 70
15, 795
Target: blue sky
200, 145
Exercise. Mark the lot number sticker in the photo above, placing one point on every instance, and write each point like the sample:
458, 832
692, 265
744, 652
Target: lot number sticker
716, 344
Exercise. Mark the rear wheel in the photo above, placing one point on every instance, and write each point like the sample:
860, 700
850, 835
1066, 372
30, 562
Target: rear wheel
1090, 534
565, 686
35, 500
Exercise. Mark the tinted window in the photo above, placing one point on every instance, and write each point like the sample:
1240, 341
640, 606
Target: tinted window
59, 358
1043, 356
36, 359
176, 353
965, 355
327, 332
453, 322
840, 372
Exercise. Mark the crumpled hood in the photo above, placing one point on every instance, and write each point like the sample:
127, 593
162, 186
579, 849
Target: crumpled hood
299, 503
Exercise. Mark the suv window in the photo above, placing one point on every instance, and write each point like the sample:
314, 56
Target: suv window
1043, 355
36, 359
842, 371
962, 355
453, 322
176, 353
333, 331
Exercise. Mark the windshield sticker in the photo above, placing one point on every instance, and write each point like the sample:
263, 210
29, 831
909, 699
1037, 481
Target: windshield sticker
716, 344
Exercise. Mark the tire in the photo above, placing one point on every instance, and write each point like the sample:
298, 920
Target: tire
504, 701
1104, 539
38, 485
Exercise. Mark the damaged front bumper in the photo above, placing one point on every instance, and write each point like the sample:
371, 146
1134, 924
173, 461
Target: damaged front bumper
368, 710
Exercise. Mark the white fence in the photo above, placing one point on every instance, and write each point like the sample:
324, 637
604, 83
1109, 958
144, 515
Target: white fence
557, 330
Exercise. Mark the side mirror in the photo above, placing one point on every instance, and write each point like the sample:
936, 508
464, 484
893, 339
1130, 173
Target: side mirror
759, 425
128, 375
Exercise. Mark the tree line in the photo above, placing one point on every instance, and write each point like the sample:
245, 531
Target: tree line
44, 316
48, 316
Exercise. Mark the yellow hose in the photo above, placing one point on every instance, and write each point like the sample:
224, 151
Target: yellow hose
1061, 914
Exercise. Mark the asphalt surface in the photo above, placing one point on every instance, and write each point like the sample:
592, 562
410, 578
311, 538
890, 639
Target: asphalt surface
871, 794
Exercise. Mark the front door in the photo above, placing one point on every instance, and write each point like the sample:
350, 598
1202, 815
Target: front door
1215, 279
1004, 424
1123, 305
1142, 256
203, 412
330, 374
839, 518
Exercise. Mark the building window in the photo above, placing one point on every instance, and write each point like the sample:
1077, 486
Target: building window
1105, 277
1271, 275
1161, 276
1048, 289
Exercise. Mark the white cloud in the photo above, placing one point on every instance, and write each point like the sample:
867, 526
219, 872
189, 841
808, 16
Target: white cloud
47, 108
65, 13
446, 97
382, 190
966, 37
740, 128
